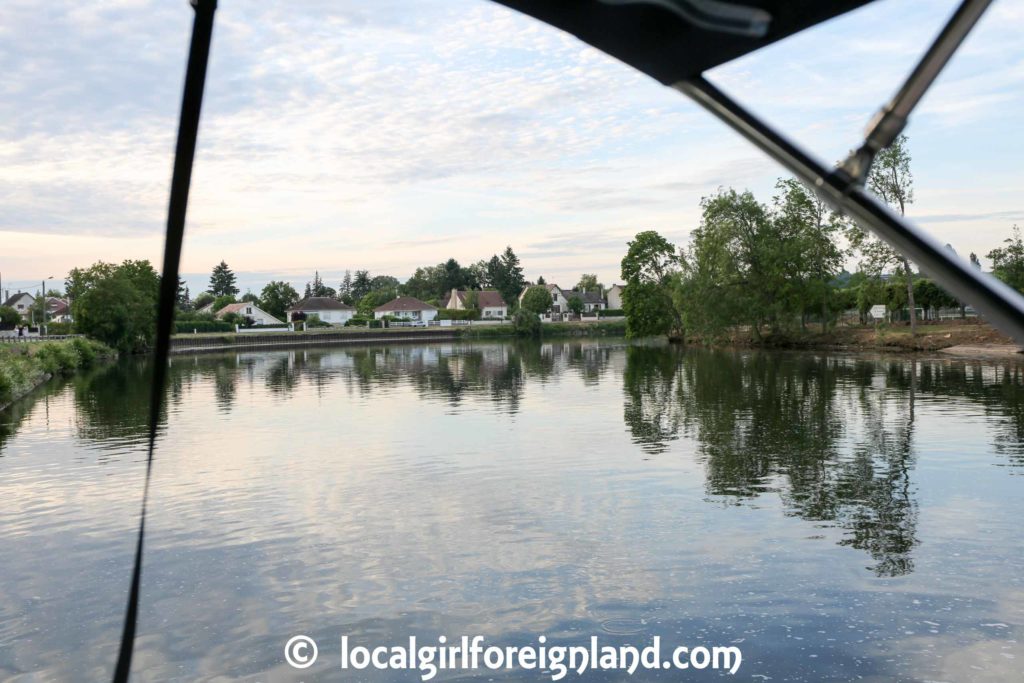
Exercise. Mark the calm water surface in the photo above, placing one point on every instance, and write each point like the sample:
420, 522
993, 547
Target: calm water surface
838, 517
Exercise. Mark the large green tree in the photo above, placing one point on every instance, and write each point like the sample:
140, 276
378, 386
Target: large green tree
116, 303
891, 180
650, 269
276, 297
814, 256
222, 281
537, 299
589, 283
1008, 261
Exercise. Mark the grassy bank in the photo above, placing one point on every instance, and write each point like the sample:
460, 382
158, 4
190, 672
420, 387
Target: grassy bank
23, 367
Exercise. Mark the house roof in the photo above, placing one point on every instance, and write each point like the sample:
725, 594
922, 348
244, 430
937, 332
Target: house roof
487, 298
586, 297
405, 303
320, 303
13, 299
55, 306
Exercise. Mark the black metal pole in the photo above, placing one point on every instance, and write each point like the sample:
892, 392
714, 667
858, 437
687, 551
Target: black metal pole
889, 122
184, 154
1001, 305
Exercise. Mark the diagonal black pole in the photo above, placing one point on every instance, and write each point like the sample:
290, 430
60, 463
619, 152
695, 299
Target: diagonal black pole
188, 130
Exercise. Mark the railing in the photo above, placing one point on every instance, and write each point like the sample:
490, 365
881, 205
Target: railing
35, 337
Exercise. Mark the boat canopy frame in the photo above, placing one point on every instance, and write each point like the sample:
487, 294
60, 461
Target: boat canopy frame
674, 41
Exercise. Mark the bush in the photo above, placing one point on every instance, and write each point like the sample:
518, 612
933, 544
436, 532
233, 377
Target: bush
526, 324
458, 314
57, 359
611, 313
363, 321
9, 316
60, 328
186, 326
314, 321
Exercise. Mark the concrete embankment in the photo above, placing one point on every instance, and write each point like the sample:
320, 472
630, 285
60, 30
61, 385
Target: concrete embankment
203, 343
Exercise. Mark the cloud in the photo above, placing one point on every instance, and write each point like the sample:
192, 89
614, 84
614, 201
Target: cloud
350, 135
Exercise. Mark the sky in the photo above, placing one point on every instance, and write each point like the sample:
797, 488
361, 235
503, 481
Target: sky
346, 134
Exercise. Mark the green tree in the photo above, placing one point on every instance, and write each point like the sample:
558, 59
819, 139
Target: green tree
222, 301
537, 300
891, 180
222, 281
116, 312
506, 275
183, 299
276, 297
345, 288
202, 300
361, 284
1008, 261
472, 300
9, 316
650, 268
576, 304
814, 257
588, 283
250, 298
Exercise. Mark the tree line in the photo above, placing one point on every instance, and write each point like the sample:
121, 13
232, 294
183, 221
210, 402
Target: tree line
772, 267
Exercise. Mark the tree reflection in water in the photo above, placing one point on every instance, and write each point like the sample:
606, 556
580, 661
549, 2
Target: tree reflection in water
814, 429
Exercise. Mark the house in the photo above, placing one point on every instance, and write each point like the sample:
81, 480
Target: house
21, 302
592, 301
559, 300
327, 309
407, 307
615, 297
249, 310
488, 302
57, 310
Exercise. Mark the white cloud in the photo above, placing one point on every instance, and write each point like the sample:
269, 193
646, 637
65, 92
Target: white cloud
337, 135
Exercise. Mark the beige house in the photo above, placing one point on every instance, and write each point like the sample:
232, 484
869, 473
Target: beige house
249, 310
615, 297
488, 302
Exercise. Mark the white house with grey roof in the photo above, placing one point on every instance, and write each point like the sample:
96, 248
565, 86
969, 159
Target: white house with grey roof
328, 310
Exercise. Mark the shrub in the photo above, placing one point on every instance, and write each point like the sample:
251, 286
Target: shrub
526, 324
313, 321
9, 316
59, 328
611, 313
57, 358
186, 326
458, 314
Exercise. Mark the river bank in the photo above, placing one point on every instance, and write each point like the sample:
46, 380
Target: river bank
24, 367
964, 338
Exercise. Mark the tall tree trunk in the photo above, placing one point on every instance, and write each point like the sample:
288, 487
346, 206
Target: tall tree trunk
910, 297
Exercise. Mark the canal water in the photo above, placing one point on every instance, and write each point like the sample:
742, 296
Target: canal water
836, 517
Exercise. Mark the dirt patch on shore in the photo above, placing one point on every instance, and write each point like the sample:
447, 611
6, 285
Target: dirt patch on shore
972, 337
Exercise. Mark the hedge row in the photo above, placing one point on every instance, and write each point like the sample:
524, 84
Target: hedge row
187, 326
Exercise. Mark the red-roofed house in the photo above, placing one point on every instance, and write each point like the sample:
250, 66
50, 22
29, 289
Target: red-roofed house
407, 307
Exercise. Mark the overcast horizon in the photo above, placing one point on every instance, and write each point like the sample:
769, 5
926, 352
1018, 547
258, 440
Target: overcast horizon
341, 136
